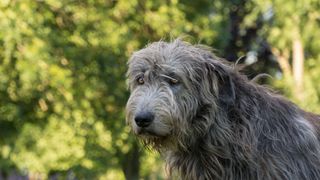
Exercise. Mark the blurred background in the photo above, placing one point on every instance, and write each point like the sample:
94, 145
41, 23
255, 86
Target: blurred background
63, 64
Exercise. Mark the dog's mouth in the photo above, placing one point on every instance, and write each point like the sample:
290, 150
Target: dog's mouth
147, 132
151, 136
152, 139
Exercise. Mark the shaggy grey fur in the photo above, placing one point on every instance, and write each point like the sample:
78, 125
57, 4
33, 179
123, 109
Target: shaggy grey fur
211, 122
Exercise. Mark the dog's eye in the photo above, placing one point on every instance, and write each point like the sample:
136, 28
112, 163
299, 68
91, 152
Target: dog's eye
140, 80
173, 81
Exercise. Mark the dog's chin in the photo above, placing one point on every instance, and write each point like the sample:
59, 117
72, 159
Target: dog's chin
152, 139
148, 132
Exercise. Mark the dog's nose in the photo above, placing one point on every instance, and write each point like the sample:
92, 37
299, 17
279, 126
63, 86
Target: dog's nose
144, 119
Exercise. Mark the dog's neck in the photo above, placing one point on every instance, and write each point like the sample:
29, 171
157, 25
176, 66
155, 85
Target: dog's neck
206, 160
210, 155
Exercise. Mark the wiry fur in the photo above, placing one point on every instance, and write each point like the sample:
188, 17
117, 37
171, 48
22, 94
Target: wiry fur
215, 123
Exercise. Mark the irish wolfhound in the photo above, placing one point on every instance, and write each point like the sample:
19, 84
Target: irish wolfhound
211, 122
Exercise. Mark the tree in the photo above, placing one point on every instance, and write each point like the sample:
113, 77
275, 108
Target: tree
63, 64
292, 31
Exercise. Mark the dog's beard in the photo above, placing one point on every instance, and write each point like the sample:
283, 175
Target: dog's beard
152, 142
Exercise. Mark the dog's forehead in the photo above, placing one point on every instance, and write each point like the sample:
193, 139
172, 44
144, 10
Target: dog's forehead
161, 56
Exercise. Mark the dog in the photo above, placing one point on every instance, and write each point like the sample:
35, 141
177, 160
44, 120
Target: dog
211, 122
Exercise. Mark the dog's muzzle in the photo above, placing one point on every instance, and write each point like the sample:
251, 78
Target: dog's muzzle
144, 119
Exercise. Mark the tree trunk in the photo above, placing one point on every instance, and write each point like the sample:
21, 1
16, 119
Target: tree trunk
1, 175
298, 65
131, 163
283, 60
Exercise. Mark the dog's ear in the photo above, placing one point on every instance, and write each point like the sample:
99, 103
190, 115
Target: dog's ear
226, 87
221, 80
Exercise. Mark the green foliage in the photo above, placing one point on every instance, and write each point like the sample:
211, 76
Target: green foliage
62, 74
291, 20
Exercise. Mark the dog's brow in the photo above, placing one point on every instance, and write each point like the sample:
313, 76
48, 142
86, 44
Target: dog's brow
166, 76
141, 74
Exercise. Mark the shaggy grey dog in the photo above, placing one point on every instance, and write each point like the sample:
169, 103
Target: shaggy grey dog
211, 122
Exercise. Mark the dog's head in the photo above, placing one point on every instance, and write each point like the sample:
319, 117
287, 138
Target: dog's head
175, 88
